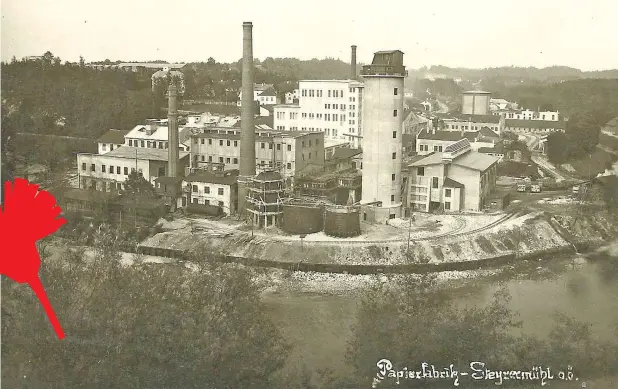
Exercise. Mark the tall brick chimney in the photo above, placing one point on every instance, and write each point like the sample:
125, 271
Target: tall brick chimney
353, 64
247, 133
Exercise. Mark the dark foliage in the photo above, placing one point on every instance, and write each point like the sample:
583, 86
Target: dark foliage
137, 327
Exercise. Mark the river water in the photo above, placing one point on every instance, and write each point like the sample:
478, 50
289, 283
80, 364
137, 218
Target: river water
584, 287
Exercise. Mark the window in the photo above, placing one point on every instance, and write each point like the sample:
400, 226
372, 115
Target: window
202, 158
117, 169
289, 147
130, 142
194, 188
210, 158
394, 113
392, 177
270, 146
394, 134
235, 143
447, 205
126, 171
207, 189
434, 182
92, 167
220, 159
235, 161
229, 143
221, 142
84, 166
210, 141
142, 142
165, 145
278, 146
220, 203
420, 171
227, 160
447, 193
435, 148
111, 169
102, 168
262, 144
160, 145
202, 141
395, 92
394, 155
392, 198
149, 144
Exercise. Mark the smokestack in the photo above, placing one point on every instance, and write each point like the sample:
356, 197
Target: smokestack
247, 133
353, 64
172, 129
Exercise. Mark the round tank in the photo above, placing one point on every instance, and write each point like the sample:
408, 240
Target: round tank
302, 219
342, 222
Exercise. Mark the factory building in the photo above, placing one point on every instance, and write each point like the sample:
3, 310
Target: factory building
264, 94
210, 192
475, 103
112, 139
528, 114
288, 152
265, 199
534, 126
461, 122
457, 179
382, 136
436, 141
155, 135
109, 171
329, 106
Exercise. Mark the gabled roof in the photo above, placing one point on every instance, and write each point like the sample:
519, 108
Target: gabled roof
429, 159
228, 177
143, 153
269, 92
113, 136
475, 161
486, 131
450, 183
268, 176
441, 135
344, 153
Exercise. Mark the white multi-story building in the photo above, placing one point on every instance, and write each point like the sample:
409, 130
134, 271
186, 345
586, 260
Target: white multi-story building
382, 136
265, 94
111, 140
333, 107
154, 136
291, 96
216, 188
549, 116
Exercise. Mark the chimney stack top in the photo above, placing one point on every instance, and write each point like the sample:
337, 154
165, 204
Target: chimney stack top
247, 24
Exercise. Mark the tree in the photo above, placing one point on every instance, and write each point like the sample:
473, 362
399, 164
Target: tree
411, 320
136, 184
583, 131
557, 148
139, 326
82, 61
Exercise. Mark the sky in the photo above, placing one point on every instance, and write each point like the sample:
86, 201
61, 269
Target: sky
454, 33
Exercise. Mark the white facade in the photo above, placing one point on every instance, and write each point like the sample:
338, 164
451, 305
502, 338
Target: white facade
551, 116
155, 136
333, 107
382, 142
291, 96
265, 94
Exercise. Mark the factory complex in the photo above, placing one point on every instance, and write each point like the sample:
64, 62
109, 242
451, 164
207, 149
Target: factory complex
339, 153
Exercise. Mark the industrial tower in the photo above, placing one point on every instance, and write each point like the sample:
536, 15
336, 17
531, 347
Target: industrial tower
247, 133
382, 143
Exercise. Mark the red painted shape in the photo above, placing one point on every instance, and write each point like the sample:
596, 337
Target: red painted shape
29, 214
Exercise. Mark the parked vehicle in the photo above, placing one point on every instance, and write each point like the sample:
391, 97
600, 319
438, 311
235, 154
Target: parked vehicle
535, 187
521, 187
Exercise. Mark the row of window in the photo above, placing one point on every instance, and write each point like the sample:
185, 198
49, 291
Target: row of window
423, 147
207, 190
230, 160
262, 144
195, 200
335, 106
319, 93
148, 144
109, 169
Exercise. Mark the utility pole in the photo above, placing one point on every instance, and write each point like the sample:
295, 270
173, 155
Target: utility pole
409, 231
135, 194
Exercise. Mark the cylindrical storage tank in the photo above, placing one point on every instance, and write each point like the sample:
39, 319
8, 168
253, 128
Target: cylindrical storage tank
342, 222
302, 219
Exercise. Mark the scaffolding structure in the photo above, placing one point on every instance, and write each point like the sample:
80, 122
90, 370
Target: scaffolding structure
265, 198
